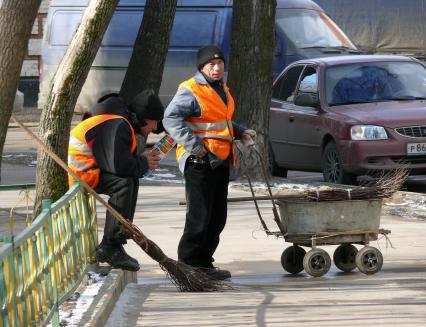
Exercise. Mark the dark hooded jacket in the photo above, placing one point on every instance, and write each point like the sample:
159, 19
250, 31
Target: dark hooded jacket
113, 139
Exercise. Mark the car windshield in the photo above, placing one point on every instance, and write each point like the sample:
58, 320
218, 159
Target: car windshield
375, 82
310, 29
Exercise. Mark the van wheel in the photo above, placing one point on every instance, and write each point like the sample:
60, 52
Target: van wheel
332, 169
274, 168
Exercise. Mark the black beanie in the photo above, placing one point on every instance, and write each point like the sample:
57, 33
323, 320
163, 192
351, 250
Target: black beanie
207, 53
147, 105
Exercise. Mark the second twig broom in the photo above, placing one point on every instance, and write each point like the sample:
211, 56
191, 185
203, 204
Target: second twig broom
185, 277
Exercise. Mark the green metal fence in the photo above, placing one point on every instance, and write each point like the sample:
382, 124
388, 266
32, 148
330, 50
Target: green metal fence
42, 266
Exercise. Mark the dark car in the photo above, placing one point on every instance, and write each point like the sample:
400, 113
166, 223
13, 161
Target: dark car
349, 115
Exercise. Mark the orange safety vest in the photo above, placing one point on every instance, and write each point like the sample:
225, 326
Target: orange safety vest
214, 125
80, 154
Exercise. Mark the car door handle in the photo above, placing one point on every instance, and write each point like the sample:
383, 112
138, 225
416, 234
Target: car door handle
291, 119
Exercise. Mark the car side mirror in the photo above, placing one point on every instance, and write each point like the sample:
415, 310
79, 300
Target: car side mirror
305, 100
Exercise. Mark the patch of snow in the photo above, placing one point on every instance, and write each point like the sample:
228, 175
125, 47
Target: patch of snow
281, 186
72, 310
410, 203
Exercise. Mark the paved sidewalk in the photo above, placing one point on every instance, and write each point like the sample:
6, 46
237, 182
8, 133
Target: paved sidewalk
264, 295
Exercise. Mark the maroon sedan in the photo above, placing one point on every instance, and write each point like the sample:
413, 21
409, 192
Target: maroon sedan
349, 115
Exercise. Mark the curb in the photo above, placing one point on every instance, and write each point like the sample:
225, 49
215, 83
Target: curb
104, 302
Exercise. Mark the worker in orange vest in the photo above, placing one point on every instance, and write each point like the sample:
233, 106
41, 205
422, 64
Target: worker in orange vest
199, 118
102, 151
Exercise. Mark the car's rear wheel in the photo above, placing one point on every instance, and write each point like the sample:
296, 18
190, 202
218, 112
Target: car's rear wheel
274, 168
332, 168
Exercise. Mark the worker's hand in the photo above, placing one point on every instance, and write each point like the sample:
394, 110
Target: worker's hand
248, 137
202, 153
153, 157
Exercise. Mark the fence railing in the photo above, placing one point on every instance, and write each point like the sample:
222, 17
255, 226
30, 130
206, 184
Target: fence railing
42, 266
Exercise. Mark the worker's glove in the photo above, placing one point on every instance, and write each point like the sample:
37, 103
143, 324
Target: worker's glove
248, 137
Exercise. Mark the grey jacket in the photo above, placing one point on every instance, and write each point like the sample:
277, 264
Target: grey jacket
183, 105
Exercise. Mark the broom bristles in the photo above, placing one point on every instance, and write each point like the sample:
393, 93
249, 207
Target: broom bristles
186, 278
189, 279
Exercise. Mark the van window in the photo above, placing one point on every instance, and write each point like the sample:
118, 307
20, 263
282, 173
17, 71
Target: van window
122, 30
190, 29
64, 24
193, 29
309, 28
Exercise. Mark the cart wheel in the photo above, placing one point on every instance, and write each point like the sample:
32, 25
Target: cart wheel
316, 262
344, 257
292, 259
369, 260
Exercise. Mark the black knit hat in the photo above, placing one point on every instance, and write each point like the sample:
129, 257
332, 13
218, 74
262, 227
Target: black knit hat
147, 105
207, 53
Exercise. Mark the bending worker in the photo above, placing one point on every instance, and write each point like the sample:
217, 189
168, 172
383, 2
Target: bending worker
102, 151
199, 119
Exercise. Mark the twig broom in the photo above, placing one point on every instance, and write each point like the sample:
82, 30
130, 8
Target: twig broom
185, 277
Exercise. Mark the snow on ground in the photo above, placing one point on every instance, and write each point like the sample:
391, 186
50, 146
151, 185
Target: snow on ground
72, 310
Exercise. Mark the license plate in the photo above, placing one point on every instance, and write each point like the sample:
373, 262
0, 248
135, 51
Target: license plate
416, 149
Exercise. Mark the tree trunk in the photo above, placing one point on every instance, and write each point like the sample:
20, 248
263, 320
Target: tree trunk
145, 70
55, 121
250, 74
16, 21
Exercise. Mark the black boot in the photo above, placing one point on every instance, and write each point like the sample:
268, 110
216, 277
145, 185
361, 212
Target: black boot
126, 255
216, 273
115, 256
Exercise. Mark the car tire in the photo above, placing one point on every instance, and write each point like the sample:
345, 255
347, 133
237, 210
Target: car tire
332, 169
274, 168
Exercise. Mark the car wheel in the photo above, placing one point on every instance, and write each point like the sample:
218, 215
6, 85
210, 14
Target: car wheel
332, 168
274, 168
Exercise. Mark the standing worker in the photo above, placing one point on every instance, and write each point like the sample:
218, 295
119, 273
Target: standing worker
199, 119
102, 151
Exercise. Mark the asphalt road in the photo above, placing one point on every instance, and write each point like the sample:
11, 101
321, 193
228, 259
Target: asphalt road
19, 160
20, 168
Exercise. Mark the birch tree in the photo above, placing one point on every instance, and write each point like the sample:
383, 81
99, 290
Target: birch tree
55, 122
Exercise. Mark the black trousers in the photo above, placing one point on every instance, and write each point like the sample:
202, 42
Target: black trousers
123, 193
206, 210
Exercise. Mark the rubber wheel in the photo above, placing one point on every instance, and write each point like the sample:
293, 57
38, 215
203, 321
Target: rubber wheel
274, 168
332, 169
369, 260
292, 259
316, 262
344, 257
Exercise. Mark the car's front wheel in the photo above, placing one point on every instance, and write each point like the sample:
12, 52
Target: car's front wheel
332, 168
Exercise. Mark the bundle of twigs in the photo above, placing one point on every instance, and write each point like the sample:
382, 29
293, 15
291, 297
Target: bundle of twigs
186, 278
384, 185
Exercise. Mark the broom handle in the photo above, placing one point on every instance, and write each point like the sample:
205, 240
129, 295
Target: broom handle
61, 163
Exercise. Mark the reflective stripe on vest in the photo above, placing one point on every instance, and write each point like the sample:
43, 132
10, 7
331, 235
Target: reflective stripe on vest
214, 125
80, 155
